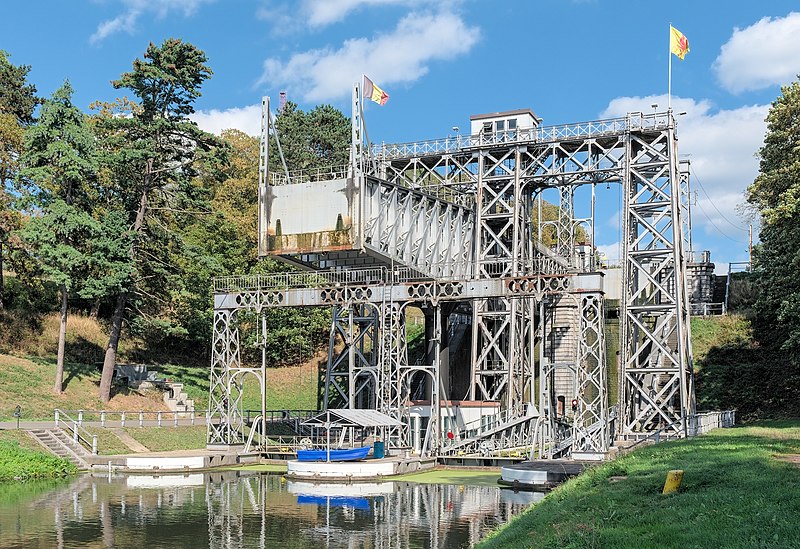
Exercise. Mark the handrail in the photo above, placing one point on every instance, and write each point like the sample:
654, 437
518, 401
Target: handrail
708, 309
135, 418
724, 418
496, 421
635, 121
326, 173
79, 434
539, 266
253, 428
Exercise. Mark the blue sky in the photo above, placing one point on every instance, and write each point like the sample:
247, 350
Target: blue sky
440, 62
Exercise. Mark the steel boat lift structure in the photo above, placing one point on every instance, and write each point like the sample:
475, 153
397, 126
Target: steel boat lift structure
515, 343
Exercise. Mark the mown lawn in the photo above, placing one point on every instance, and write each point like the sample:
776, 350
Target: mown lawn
738, 491
162, 439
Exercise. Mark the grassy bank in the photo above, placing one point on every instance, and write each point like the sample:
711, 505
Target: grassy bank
739, 490
28, 382
162, 439
18, 461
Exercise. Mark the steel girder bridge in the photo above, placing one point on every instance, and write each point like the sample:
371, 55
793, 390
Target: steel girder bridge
448, 226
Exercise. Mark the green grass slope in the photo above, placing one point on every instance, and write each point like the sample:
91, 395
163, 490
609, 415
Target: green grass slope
739, 490
22, 463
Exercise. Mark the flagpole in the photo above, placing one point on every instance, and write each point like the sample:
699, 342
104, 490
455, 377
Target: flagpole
669, 77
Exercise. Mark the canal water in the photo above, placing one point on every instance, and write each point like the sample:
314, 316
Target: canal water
243, 510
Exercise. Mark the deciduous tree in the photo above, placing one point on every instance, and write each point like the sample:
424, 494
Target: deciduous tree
18, 103
775, 193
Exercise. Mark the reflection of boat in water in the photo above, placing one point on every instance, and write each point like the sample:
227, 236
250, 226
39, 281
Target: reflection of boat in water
525, 497
362, 504
165, 481
349, 454
355, 489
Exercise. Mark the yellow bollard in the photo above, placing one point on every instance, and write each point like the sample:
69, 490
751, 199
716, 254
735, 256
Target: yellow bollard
673, 482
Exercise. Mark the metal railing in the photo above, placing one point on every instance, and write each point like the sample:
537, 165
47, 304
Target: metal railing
459, 271
696, 424
327, 173
127, 418
475, 429
703, 422
708, 309
635, 121
79, 435
698, 256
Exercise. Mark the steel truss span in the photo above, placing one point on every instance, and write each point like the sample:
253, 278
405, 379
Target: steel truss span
448, 226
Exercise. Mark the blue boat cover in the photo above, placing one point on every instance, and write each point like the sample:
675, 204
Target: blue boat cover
349, 454
335, 501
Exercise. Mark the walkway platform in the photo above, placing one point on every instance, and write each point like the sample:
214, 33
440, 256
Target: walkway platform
172, 462
348, 471
541, 474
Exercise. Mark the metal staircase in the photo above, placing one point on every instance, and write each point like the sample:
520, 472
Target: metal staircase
504, 432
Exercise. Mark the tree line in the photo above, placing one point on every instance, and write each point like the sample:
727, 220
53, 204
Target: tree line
760, 375
131, 209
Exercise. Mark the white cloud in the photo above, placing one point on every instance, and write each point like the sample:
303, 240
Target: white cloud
319, 13
761, 55
246, 119
326, 12
126, 21
613, 252
400, 56
721, 146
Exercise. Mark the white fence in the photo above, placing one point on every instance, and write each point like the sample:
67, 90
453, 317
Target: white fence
106, 418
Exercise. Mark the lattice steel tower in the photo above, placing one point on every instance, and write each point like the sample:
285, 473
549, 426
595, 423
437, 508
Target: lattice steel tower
448, 226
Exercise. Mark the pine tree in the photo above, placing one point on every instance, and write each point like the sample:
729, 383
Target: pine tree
152, 157
60, 168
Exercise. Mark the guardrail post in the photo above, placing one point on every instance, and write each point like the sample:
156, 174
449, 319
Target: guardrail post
158, 417
74, 431
94, 445
102, 418
80, 417
175, 416
192, 417
56, 414
122, 419
141, 419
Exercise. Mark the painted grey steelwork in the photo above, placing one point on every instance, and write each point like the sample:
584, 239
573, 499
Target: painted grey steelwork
447, 225
638, 152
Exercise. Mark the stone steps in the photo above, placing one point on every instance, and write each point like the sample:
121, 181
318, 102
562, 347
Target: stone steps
59, 443
176, 398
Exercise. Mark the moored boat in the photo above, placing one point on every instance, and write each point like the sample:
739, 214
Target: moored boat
348, 454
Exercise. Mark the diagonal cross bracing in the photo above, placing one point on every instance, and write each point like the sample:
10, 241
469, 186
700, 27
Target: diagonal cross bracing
451, 221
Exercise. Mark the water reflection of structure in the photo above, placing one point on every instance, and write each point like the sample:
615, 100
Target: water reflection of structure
238, 510
379, 515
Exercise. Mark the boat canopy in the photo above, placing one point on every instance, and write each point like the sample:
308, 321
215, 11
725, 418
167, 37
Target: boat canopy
346, 417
